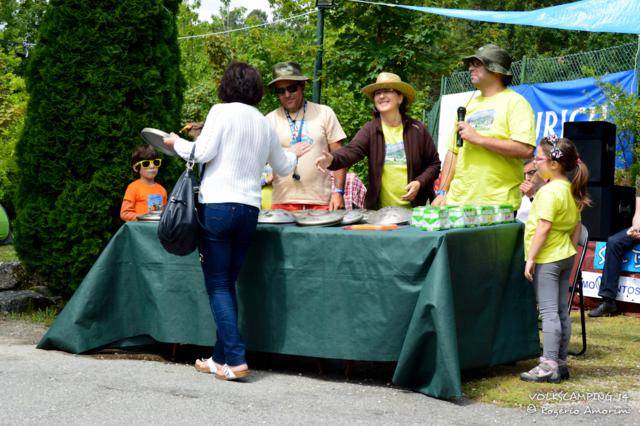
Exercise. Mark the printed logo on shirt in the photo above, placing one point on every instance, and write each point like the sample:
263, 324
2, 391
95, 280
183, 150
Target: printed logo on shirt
304, 137
395, 154
482, 120
154, 202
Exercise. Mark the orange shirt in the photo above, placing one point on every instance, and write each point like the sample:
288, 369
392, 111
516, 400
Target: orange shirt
141, 198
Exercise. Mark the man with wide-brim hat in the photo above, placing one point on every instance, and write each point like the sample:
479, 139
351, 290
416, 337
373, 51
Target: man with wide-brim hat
403, 160
299, 120
495, 60
498, 134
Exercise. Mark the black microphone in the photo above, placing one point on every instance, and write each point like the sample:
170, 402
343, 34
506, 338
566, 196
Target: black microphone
462, 112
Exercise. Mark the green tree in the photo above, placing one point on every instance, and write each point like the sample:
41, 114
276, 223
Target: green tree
13, 102
19, 21
256, 17
112, 71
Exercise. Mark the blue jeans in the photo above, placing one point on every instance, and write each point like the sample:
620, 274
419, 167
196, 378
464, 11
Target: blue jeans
617, 244
229, 229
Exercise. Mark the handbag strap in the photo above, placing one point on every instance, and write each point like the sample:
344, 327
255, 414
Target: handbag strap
190, 161
196, 188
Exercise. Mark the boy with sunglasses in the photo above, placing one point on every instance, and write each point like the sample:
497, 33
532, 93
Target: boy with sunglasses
298, 120
143, 195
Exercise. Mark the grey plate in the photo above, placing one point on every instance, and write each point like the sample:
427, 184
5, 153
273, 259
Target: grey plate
154, 138
390, 216
352, 216
275, 216
319, 217
150, 217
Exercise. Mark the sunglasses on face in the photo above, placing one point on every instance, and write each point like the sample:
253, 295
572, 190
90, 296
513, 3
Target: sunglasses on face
475, 63
531, 172
291, 89
145, 164
381, 92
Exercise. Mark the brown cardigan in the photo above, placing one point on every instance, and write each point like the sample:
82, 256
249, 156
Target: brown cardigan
423, 163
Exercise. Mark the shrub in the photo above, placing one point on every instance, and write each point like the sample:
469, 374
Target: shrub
100, 72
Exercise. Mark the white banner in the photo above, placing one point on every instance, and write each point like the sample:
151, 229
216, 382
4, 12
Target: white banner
449, 105
628, 287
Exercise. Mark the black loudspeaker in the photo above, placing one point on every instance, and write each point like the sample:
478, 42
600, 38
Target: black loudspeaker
611, 211
596, 144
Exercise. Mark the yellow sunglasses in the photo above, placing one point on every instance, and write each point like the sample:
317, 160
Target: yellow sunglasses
145, 164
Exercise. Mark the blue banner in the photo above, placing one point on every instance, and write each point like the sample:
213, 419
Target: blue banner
576, 100
612, 16
630, 259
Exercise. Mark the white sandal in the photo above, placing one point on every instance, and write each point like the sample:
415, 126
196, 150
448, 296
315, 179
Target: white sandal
228, 374
207, 366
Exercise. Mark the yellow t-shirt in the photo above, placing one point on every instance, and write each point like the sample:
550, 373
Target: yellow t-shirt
483, 176
394, 171
267, 193
320, 128
553, 202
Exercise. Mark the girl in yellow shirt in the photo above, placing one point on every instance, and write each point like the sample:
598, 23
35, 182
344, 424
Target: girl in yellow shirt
551, 234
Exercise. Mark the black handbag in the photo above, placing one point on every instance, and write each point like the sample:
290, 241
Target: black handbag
179, 228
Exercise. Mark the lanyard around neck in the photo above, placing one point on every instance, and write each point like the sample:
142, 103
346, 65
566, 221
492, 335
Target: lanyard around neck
292, 125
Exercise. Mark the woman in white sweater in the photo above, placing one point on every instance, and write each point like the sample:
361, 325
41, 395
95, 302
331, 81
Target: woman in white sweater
236, 142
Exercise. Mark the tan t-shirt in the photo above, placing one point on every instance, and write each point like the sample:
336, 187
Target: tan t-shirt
321, 128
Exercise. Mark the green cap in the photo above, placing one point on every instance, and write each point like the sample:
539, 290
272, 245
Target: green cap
494, 58
289, 71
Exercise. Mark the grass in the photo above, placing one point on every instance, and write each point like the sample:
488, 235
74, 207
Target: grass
44, 316
7, 253
610, 364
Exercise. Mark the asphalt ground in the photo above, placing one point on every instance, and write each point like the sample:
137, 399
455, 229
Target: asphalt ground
51, 387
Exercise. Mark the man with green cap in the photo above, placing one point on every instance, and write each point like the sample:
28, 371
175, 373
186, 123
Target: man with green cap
298, 120
497, 134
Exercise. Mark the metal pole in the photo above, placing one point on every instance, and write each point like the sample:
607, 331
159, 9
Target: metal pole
317, 70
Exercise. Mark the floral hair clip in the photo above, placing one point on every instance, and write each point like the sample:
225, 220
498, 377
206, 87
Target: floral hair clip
556, 152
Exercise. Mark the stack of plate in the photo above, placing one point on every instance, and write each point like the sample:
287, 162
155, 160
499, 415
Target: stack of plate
275, 217
319, 217
390, 216
352, 216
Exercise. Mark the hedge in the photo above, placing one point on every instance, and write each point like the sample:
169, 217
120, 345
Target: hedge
100, 72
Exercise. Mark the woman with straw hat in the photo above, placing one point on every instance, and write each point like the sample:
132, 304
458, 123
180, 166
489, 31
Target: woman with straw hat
403, 160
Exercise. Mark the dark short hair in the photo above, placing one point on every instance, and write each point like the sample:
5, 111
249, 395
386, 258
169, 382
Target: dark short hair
241, 83
143, 152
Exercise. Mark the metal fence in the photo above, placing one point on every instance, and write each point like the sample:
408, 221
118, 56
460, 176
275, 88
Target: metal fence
560, 68
544, 70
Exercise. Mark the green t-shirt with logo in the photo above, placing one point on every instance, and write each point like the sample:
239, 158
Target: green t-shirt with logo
483, 176
553, 202
394, 171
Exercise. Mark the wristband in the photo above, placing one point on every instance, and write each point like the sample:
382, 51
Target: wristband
440, 192
338, 191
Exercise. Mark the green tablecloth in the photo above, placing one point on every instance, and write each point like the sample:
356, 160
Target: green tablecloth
437, 302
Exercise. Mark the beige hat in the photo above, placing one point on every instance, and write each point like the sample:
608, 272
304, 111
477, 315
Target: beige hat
389, 80
289, 71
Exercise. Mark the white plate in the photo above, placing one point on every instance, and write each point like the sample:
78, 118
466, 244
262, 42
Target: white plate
154, 138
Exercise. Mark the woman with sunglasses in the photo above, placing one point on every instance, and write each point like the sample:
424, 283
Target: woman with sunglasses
235, 144
403, 161
143, 195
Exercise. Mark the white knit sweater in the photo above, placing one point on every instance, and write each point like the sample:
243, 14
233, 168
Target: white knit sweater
236, 143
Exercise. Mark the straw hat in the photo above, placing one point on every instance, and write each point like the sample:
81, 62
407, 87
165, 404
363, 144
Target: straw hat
389, 80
